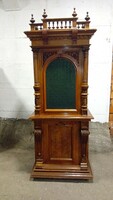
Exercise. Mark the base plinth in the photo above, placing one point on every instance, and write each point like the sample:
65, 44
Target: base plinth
61, 172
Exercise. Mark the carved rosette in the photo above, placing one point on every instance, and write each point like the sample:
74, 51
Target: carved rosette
37, 98
84, 137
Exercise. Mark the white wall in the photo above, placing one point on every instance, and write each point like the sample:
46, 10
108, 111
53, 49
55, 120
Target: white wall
16, 66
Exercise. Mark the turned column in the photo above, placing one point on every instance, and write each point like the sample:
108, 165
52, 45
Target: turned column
84, 92
37, 89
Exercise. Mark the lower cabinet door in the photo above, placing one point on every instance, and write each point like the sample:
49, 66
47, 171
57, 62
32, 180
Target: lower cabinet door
61, 142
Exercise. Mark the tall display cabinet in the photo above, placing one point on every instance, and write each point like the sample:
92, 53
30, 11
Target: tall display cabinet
61, 118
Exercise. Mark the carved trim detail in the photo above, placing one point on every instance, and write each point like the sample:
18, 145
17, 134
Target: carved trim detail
38, 141
35, 49
38, 132
83, 37
46, 55
37, 98
59, 37
84, 137
84, 95
74, 54
47, 38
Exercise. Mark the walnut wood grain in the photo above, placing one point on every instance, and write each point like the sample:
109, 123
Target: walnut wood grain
61, 135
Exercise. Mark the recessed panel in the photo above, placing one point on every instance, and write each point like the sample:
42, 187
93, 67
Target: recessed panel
60, 142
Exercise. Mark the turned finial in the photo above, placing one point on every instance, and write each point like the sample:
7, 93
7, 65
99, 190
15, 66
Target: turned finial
87, 18
32, 19
44, 14
74, 13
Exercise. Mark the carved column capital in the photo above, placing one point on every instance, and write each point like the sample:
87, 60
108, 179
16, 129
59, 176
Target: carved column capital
35, 49
85, 49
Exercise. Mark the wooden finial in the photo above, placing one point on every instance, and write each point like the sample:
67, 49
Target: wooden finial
87, 18
74, 13
44, 14
32, 19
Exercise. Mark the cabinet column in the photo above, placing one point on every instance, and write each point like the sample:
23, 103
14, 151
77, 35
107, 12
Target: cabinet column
84, 92
38, 142
36, 82
84, 145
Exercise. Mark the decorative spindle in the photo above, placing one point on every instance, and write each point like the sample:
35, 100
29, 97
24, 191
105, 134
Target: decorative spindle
44, 14
61, 24
83, 25
65, 24
74, 13
69, 24
49, 25
87, 18
78, 26
57, 25
53, 25
32, 19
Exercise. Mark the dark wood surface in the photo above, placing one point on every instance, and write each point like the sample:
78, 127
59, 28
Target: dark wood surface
61, 135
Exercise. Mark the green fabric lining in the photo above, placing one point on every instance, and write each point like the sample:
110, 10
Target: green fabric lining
60, 84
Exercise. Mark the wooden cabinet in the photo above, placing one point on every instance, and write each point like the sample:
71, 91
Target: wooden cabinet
61, 118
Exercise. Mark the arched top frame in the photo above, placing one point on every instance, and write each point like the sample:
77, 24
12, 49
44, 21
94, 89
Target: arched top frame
77, 70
